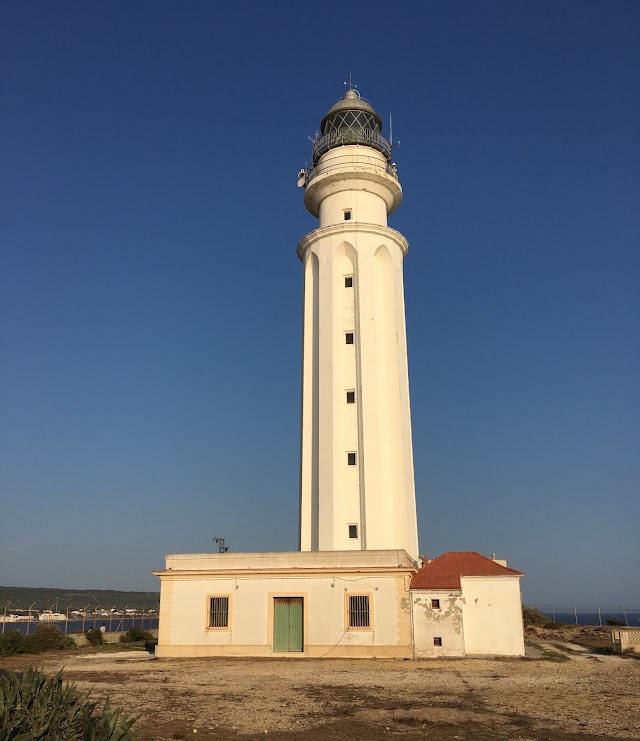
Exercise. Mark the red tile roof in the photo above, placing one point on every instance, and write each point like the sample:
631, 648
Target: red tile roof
445, 571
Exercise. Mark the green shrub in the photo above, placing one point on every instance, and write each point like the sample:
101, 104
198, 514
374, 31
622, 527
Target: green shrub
35, 706
616, 623
532, 616
47, 638
94, 637
136, 634
11, 643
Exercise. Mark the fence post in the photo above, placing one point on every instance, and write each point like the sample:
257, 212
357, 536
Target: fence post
625, 617
553, 612
599, 617
29, 619
575, 612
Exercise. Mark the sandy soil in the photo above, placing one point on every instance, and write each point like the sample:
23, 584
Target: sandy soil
565, 694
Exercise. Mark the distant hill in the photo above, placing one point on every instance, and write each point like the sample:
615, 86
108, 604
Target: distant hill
44, 598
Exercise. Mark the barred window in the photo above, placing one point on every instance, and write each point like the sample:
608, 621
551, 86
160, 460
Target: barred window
359, 611
218, 612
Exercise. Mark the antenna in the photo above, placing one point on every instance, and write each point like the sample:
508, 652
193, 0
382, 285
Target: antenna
222, 548
302, 178
390, 130
350, 84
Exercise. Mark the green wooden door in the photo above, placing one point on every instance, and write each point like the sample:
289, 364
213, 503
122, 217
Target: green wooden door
287, 624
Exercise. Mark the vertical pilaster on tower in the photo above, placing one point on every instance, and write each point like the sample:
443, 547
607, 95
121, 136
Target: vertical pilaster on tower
356, 478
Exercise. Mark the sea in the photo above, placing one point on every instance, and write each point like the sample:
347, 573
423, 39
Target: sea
75, 626
629, 617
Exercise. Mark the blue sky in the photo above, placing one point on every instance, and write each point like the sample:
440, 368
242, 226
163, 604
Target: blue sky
150, 293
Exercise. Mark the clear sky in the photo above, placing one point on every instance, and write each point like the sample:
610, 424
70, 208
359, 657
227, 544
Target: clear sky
150, 293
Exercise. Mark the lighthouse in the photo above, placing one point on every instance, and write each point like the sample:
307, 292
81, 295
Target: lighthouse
354, 588
357, 487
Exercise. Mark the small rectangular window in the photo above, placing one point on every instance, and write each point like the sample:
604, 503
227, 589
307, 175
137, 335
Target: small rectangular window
351, 397
359, 616
435, 604
347, 215
353, 531
348, 281
437, 641
349, 338
218, 612
351, 459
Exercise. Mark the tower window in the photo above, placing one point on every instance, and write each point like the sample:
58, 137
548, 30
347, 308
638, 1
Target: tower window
351, 397
347, 215
437, 641
351, 459
349, 338
435, 604
353, 531
348, 281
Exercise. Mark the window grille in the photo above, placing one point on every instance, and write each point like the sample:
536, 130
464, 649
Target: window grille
359, 611
218, 612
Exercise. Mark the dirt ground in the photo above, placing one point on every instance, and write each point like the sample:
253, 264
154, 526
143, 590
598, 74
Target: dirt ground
562, 692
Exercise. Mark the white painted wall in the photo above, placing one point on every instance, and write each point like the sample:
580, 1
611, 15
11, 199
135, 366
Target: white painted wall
445, 622
492, 615
253, 580
378, 493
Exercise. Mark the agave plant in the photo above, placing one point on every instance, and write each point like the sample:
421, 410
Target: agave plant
34, 706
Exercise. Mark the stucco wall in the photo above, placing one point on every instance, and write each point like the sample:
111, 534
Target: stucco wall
492, 615
444, 622
375, 492
184, 603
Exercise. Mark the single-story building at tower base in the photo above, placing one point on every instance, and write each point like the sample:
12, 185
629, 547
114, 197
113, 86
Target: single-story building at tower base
374, 604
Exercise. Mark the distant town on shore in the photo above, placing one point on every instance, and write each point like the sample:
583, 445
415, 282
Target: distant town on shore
45, 603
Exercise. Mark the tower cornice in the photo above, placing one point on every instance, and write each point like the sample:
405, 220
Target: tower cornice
350, 231
352, 168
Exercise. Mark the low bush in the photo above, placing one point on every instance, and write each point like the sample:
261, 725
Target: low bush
532, 616
136, 634
47, 638
11, 643
34, 706
616, 623
94, 637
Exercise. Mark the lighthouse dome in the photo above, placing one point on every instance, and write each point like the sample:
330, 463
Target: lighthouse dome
352, 120
351, 102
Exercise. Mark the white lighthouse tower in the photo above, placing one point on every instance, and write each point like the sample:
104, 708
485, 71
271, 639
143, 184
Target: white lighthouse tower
356, 483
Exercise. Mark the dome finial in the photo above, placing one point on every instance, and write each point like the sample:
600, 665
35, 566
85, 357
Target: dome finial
353, 88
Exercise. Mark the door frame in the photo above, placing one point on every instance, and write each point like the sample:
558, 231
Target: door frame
271, 608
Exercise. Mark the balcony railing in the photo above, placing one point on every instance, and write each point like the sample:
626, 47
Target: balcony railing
355, 162
333, 139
